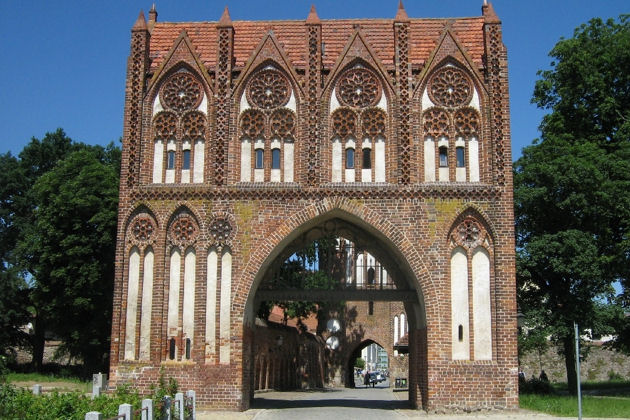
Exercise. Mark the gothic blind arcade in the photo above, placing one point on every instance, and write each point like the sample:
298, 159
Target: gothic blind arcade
239, 137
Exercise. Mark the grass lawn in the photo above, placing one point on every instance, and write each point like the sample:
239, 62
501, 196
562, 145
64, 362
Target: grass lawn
27, 380
566, 406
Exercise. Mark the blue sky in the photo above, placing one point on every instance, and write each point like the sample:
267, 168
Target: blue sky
63, 62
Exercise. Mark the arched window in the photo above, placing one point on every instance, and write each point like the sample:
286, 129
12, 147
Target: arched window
268, 123
186, 159
471, 313
367, 158
184, 146
275, 158
460, 154
349, 158
443, 157
170, 159
260, 159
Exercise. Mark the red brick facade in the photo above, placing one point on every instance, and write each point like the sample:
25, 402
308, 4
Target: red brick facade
188, 85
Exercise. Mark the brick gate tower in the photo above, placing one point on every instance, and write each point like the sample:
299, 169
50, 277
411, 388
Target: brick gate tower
242, 139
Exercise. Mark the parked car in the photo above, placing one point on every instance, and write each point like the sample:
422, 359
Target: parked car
379, 377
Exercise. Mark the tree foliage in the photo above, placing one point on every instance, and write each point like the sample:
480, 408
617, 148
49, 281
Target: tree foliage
57, 240
572, 188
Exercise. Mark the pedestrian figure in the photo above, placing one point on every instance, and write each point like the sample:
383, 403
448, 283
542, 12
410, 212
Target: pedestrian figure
366, 379
543, 376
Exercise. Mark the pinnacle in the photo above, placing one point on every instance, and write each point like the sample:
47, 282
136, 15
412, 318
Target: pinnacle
312, 17
489, 14
225, 18
141, 23
401, 15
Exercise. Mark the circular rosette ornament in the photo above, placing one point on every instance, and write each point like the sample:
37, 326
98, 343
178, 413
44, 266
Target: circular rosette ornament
183, 231
358, 88
268, 89
142, 230
450, 87
181, 92
220, 231
468, 233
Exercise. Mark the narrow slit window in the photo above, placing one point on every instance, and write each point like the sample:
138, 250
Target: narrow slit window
367, 158
186, 159
260, 158
370, 308
170, 159
349, 158
443, 157
171, 349
460, 333
461, 157
275, 158
188, 349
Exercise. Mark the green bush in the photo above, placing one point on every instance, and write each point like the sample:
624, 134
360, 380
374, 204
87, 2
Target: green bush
17, 403
534, 386
614, 376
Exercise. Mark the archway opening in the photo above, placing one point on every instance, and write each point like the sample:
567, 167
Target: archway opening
329, 292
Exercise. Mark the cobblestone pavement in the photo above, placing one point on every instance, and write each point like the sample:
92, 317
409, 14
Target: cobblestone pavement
379, 403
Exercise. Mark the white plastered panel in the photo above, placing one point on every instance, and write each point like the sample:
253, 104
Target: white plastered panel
481, 304
147, 304
189, 294
132, 304
226, 304
199, 160
246, 160
459, 305
429, 160
288, 161
473, 159
211, 302
173, 293
336, 160
158, 161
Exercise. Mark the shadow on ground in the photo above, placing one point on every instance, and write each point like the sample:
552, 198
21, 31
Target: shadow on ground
323, 398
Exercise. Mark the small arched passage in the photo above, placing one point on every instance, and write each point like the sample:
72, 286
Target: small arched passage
387, 248
353, 356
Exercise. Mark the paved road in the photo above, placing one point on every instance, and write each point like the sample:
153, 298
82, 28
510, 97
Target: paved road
378, 403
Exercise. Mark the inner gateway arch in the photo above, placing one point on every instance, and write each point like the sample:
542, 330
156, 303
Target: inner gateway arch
242, 138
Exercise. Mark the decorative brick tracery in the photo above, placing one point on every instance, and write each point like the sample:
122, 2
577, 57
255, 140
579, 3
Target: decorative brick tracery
282, 124
142, 230
314, 77
494, 48
253, 124
194, 126
403, 79
374, 123
467, 123
181, 92
450, 87
268, 89
435, 122
220, 232
165, 126
183, 231
470, 233
344, 123
358, 88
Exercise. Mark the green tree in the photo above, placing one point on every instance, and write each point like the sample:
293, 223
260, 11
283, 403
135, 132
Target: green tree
14, 314
69, 250
572, 188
